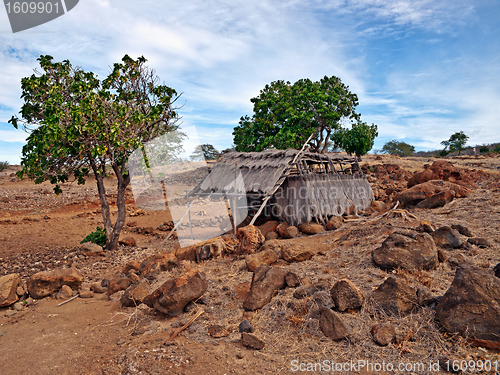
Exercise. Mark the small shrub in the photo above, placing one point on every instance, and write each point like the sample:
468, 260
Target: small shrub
371, 169
484, 150
497, 149
98, 237
444, 153
4, 165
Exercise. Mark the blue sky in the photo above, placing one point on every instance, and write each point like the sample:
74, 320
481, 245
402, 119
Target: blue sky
422, 69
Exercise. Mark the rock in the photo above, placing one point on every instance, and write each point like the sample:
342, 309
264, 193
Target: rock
43, 284
245, 326
378, 206
426, 227
217, 331
395, 297
175, 294
250, 239
471, 306
479, 242
266, 282
10, 313
155, 264
292, 280
91, 249
267, 227
408, 251
132, 265
19, 306
186, 253
311, 228
118, 283
346, 296
98, 288
497, 270
442, 170
267, 257
211, 250
294, 252
334, 223
323, 299
65, 292
332, 325
463, 230
281, 229
271, 236
291, 232
20, 291
457, 260
251, 341
274, 245
442, 256
421, 192
128, 241
305, 291
446, 238
86, 293
424, 296
440, 199
135, 294
8, 289
383, 334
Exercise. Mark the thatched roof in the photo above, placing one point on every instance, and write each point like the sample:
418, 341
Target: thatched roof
260, 170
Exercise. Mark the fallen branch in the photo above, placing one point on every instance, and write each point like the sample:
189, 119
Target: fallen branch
69, 300
179, 330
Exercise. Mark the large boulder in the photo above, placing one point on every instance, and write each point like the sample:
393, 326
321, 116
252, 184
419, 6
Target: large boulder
394, 297
266, 282
411, 251
251, 239
471, 306
434, 188
43, 284
175, 294
8, 289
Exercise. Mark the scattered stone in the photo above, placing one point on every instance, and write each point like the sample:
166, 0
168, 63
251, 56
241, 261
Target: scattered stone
8, 289
266, 282
10, 313
383, 334
447, 238
292, 280
281, 229
295, 252
43, 284
175, 294
19, 306
311, 228
251, 239
463, 230
457, 260
251, 341
267, 257
411, 251
245, 326
132, 265
98, 288
156, 264
128, 241
346, 296
20, 291
334, 223
135, 294
90, 249
332, 325
424, 296
426, 227
471, 306
378, 206
305, 291
442, 256
118, 283
65, 292
86, 293
395, 297
323, 299
479, 242
271, 236
217, 331
291, 232
268, 227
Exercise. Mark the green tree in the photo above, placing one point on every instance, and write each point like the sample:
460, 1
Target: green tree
484, 150
286, 114
400, 148
205, 152
79, 124
456, 142
357, 140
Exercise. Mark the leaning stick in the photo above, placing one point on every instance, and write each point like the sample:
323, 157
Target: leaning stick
179, 330
69, 300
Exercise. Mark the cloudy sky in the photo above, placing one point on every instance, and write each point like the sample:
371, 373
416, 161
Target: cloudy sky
422, 69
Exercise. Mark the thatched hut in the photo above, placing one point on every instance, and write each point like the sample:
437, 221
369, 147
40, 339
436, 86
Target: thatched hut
292, 185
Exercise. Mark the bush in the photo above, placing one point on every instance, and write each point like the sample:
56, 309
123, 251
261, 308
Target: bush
497, 149
98, 237
484, 150
4, 165
444, 153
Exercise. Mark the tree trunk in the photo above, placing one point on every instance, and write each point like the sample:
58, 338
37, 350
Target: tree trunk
104, 202
120, 204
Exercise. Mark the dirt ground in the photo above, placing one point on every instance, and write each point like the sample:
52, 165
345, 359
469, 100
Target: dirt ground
40, 231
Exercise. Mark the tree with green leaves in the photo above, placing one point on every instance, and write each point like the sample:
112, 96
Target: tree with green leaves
456, 142
205, 152
79, 124
357, 140
286, 114
484, 150
400, 148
